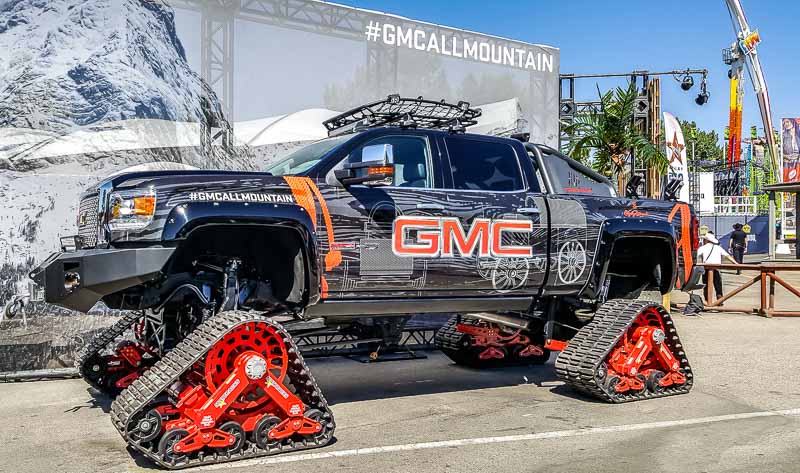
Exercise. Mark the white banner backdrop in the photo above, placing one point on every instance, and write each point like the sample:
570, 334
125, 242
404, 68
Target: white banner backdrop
676, 153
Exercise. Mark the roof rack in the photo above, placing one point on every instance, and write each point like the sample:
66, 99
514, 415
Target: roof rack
405, 113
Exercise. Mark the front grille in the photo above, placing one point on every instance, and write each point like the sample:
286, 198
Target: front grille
88, 226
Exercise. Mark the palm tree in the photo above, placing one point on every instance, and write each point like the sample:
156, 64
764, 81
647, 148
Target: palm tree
606, 135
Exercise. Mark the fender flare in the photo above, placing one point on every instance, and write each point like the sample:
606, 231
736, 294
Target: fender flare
187, 217
616, 229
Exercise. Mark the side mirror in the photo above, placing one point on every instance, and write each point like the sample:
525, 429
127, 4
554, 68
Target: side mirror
375, 168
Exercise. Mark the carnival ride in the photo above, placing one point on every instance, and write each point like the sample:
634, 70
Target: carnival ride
742, 55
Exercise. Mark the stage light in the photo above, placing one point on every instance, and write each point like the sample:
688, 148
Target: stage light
687, 82
703, 96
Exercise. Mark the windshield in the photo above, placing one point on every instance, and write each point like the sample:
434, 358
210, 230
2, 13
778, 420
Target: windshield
306, 157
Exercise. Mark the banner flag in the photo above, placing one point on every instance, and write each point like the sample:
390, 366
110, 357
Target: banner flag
676, 153
790, 142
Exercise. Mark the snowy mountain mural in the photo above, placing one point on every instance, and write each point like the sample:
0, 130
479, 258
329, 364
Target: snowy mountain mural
87, 88
68, 63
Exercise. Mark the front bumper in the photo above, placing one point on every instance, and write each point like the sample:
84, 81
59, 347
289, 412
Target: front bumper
98, 273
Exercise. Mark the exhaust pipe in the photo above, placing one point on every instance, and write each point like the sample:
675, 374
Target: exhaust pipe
502, 319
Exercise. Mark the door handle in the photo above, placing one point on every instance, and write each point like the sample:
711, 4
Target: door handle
529, 211
436, 207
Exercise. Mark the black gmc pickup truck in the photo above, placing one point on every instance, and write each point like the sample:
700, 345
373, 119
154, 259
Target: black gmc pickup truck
397, 212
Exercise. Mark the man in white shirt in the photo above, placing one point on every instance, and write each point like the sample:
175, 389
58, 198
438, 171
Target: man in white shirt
712, 253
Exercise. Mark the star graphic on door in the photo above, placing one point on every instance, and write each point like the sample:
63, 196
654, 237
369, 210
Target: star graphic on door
676, 148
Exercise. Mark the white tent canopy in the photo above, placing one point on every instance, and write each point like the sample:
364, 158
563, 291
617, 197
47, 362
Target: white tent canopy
304, 125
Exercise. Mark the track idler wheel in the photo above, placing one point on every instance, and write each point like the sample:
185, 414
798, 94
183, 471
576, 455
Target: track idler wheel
317, 416
234, 429
261, 432
654, 381
147, 427
167, 444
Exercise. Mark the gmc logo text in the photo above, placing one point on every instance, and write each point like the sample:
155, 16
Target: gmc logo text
445, 237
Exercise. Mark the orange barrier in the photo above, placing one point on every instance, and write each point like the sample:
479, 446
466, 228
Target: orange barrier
766, 276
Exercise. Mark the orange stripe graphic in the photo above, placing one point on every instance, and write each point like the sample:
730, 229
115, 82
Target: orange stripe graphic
334, 257
685, 243
302, 194
323, 293
304, 190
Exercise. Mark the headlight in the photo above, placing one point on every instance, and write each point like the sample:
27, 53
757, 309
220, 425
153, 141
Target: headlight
131, 210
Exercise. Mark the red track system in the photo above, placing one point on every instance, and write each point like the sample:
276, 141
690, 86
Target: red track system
239, 391
114, 372
641, 358
629, 351
497, 344
236, 387
128, 361
476, 342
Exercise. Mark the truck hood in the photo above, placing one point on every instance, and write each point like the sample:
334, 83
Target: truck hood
178, 187
161, 178
169, 182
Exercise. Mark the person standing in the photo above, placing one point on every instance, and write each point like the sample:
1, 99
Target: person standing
737, 245
712, 253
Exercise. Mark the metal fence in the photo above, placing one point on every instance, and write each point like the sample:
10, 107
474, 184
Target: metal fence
735, 205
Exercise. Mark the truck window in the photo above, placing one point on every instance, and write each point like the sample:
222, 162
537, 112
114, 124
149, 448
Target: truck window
568, 180
306, 157
410, 157
483, 165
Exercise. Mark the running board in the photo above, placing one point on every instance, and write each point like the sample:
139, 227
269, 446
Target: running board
366, 307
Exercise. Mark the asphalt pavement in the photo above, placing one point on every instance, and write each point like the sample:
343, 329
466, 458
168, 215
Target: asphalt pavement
429, 415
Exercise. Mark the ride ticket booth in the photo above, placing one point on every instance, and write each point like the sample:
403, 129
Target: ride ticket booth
791, 188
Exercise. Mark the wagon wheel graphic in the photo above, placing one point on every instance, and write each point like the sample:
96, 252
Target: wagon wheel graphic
571, 261
485, 266
510, 273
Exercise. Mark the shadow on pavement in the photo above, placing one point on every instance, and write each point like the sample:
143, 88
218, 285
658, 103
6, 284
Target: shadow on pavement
96, 400
343, 380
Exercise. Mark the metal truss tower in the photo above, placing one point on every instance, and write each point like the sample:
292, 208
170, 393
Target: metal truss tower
217, 36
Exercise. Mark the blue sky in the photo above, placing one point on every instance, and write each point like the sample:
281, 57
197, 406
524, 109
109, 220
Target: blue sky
624, 35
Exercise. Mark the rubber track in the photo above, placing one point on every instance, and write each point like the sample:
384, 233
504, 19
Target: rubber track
578, 364
100, 342
448, 337
153, 383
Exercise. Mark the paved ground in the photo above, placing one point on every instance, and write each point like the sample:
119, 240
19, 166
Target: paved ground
427, 415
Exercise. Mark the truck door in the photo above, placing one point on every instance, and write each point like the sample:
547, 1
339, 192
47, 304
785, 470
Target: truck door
496, 204
365, 217
577, 201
